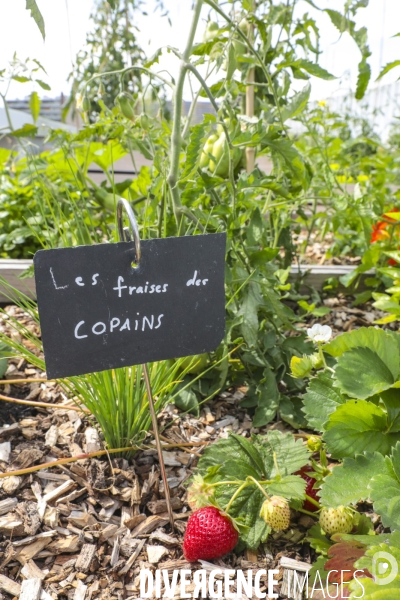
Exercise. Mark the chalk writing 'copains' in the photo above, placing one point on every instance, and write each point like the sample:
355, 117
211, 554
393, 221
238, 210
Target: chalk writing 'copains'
82, 330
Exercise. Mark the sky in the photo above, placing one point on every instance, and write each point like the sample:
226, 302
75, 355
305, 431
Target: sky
67, 22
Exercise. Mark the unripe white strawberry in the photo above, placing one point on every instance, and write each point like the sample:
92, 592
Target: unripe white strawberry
336, 520
276, 513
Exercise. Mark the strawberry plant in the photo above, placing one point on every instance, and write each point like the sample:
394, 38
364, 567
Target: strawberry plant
352, 399
252, 481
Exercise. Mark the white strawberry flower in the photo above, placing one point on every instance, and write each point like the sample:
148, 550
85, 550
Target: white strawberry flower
319, 333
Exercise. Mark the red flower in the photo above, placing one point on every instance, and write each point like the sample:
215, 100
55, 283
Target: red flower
380, 233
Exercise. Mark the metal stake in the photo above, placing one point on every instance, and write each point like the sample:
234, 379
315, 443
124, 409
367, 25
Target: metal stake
126, 235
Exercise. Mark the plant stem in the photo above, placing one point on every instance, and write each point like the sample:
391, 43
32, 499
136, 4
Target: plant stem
258, 485
176, 139
42, 404
306, 512
212, 485
313, 501
254, 52
235, 495
250, 94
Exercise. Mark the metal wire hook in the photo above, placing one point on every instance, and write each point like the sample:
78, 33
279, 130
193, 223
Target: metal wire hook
127, 234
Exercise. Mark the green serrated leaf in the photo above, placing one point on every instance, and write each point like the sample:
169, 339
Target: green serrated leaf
372, 589
385, 492
357, 425
251, 302
395, 458
364, 77
318, 567
383, 343
361, 373
388, 67
28, 130
234, 448
43, 84
198, 136
291, 411
297, 104
314, 69
391, 400
318, 540
321, 400
349, 482
290, 454
36, 15
291, 487
34, 105
247, 507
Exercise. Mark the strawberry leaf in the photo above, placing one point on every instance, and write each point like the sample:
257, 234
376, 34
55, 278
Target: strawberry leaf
318, 566
228, 452
373, 375
385, 492
369, 540
349, 483
291, 487
357, 425
290, 454
376, 590
386, 346
318, 540
321, 400
341, 557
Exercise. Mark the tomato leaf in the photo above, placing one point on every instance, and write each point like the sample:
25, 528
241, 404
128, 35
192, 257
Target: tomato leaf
36, 15
34, 105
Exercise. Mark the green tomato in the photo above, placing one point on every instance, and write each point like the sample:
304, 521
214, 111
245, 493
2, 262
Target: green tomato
244, 26
144, 121
211, 31
208, 146
199, 362
240, 47
126, 105
220, 152
228, 124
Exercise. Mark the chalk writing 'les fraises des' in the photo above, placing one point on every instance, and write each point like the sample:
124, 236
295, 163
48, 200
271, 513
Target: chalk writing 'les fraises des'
136, 323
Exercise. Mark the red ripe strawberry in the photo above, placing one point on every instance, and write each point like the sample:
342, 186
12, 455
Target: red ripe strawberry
209, 534
310, 481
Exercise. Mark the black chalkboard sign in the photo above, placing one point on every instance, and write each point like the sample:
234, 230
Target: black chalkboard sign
98, 312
